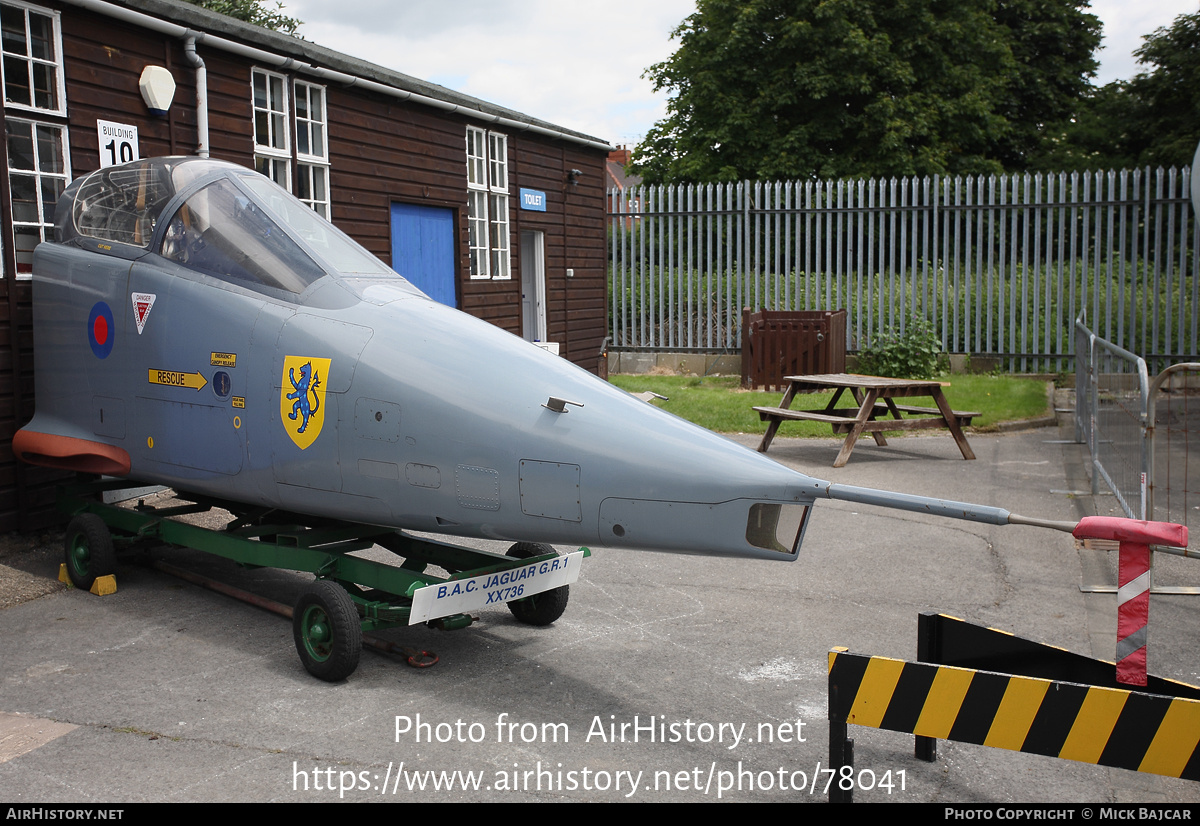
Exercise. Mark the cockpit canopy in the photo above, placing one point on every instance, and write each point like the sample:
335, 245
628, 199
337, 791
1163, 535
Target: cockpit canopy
212, 217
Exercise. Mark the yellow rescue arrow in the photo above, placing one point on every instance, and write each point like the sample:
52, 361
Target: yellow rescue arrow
172, 378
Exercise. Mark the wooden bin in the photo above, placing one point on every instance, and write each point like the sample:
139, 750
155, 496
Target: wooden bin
791, 343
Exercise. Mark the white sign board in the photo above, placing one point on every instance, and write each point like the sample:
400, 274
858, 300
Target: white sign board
118, 143
461, 596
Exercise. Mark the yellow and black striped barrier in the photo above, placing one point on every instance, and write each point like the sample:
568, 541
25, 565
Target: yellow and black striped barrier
1101, 724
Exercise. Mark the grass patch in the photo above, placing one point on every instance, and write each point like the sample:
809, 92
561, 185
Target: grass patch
718, 403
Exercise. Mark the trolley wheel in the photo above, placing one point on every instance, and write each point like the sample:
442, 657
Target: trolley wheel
88, 550
543, 608
327, 631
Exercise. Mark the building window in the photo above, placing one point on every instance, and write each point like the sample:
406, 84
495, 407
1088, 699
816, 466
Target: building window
37, 175
487, 204
312, 148
30, 41
272, 152
38, 164
273, 155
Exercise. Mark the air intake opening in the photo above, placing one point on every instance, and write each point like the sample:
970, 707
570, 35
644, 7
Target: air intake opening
774, 527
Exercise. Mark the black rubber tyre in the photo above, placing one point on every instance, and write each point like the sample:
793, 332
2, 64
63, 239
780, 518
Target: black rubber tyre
543, 608
327, 631
88, 550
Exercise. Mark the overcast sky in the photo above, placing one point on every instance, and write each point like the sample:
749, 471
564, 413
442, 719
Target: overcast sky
578, 63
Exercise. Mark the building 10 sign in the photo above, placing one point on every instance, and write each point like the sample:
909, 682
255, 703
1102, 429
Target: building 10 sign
118, 143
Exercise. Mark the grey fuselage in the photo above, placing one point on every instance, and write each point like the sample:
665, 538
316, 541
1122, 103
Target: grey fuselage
359, 398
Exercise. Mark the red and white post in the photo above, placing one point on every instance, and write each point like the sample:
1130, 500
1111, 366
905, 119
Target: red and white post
1133, 582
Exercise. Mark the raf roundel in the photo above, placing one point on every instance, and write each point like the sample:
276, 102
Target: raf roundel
101, 330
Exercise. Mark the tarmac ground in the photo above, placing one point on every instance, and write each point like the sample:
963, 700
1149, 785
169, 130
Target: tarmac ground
669, 678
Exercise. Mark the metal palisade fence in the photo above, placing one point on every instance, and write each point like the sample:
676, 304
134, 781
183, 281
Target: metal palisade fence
1001, 265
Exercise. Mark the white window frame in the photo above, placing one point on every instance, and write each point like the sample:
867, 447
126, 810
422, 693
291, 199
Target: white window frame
487, 205
274, 157
312, 167
60, 87
314, 121
312, 184
40, 177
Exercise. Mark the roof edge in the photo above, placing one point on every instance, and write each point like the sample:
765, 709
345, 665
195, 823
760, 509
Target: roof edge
218, 31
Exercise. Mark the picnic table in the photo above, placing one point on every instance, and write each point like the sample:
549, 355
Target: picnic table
875, 397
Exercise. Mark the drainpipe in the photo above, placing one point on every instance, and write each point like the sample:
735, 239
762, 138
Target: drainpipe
189, 50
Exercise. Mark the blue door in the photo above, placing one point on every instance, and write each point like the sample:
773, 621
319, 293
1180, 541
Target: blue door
423, 249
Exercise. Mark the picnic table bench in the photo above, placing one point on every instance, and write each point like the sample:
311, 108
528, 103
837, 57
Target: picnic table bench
875, 396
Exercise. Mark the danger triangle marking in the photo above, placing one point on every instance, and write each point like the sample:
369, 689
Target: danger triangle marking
142, 302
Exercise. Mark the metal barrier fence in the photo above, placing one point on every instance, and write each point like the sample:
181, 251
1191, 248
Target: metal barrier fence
1173, 488
1112, 387
1139, 431
1002, 265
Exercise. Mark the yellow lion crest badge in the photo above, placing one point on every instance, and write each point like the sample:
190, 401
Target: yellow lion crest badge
302, 398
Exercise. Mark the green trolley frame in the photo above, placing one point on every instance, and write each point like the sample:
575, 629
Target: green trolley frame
350, 594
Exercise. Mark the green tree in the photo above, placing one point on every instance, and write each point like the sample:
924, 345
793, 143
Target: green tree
253, 11
832, 88
1152, 119
1162, 105
1053, 46
1092, 138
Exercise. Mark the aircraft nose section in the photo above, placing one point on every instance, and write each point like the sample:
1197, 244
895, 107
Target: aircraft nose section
529, 447
663, 483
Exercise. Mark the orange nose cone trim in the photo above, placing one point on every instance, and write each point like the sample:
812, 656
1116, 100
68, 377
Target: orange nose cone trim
69, 453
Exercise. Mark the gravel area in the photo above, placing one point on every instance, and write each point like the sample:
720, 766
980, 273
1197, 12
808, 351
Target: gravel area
29, 566
29, 563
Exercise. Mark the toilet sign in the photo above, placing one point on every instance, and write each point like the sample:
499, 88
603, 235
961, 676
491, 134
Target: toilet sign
533, 199
118, 143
